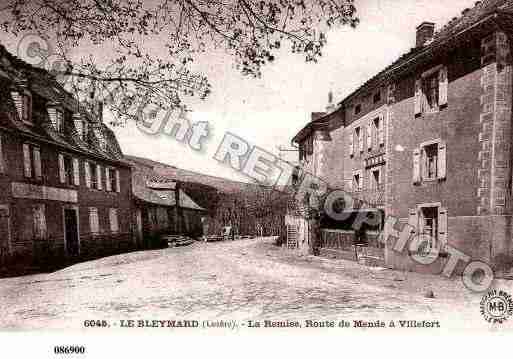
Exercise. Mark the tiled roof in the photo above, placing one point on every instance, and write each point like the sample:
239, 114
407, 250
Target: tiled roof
142, 176
469, 17
44, 85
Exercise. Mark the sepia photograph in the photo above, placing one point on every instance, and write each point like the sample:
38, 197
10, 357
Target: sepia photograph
185, 168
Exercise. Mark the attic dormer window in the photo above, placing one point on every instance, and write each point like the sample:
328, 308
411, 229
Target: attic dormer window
80, 126
101, 139
60, 121
56, 115
23, 103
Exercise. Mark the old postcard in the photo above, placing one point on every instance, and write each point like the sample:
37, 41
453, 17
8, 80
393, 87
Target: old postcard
173, 167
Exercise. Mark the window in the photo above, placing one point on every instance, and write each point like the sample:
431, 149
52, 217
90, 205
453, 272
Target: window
357, 109
369, 136
357, 182
118, 182
379, 134
94, 176
359, 138
431, 91
377, 97
430, 222
27, 107
87, 172
85, 130
110, 179
94, 222
99, 182
59, 124
32, 161
429, 162
81, 127
375, 179
68, 170
113, 219
351, 144
100, 136
39, 224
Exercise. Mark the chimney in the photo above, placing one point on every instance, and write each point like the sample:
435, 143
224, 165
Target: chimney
425, 32
330, 106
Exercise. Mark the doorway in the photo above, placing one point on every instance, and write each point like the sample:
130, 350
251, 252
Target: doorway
71, 237
139, 225
5, 230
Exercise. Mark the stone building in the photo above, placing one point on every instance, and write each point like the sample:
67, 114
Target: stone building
161, 206
65, 188
427, 141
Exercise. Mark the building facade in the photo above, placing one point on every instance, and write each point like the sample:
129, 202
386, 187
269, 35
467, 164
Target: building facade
427, 141
161, 207
65, 188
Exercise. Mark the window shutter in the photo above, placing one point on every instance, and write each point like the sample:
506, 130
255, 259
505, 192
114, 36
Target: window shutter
37, 162
418, 97
369, 136
27, 164
413, 220
62, 172
381, 130
416, 166
118, 184
87, 168
442, 161
108, 185
94, 223
99, 176
76, 172
442, 225
360, 140
18, 103
443, 83
27, 107
351, 143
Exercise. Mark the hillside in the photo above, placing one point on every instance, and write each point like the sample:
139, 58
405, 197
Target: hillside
249, 207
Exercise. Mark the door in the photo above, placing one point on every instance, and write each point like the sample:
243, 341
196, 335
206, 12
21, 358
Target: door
71, 231
5, 230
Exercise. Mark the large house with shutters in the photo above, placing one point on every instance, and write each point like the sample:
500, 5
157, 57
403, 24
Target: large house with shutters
427, 141
65, 187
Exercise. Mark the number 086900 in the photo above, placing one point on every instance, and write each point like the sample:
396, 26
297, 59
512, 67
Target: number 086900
69, 349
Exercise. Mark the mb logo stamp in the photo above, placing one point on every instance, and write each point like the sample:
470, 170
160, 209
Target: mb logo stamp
496, 306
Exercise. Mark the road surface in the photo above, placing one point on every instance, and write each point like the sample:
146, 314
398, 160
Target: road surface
240, 280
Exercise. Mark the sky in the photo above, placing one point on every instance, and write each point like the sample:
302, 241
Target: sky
269, 111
